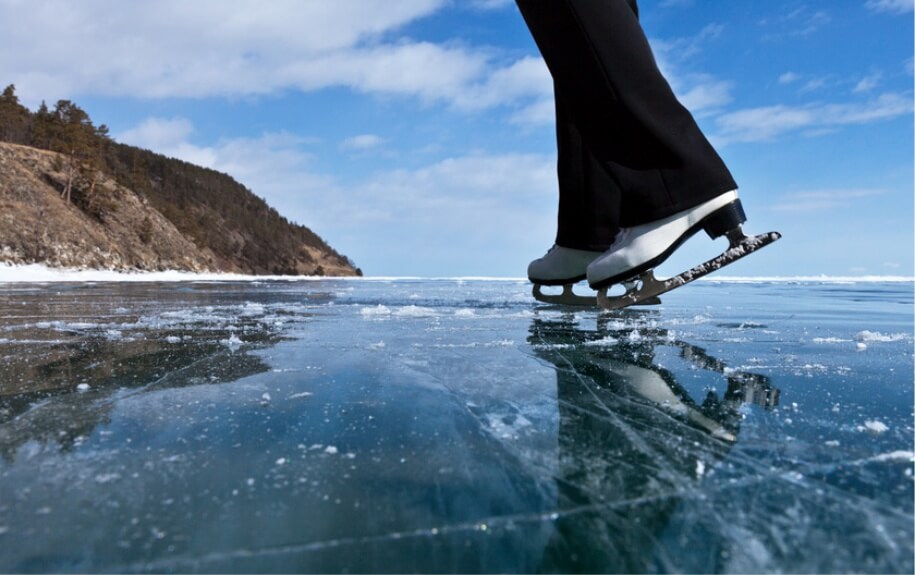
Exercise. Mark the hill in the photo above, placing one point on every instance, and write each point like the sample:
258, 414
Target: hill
71, 196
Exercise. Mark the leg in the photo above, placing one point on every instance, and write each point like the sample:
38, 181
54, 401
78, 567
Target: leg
669, 181
589, 208
624, 110
588, 214
589, 197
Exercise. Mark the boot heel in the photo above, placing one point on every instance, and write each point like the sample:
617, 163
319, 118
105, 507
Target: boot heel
724, 220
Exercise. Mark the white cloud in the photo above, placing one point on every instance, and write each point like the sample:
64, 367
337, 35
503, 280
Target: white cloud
158, 133
362, 142
823, 200
788, 78
867, 83
800, 22
169, 137
492, 206
815, 84
172, 48
525, 78
542, 112
706, 93
771, 122
698, 91
491, 4
891, 6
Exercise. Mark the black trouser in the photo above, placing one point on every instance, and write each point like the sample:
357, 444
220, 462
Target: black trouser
629, 152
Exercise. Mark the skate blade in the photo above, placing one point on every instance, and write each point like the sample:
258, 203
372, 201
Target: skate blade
567, 297
646, 286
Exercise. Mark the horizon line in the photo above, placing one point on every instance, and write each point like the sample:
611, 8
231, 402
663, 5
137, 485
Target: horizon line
41, 273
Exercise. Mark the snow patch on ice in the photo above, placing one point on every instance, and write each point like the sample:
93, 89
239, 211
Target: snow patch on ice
555, 346
874, 426
830, 340
103, 478
40, 273
603, 342
415, 311
252, 309
379, 310
497, 343
233, 342
896, 456
876, 336
465, 312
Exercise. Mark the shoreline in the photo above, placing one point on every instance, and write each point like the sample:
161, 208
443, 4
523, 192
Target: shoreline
40, 273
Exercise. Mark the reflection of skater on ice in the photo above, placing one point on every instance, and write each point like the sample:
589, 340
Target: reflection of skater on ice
632, 441
621, 361
637, 177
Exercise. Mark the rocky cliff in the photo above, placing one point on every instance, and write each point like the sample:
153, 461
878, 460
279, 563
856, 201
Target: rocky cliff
119, 227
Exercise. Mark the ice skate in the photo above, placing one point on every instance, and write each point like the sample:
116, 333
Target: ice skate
637, 251
561, 267
565, 267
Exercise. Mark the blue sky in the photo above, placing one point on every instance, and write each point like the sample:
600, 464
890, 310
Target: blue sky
416, 136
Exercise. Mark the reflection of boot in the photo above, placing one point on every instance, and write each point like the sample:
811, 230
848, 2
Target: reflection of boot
743, 387
755, 390
650, 385
631, 364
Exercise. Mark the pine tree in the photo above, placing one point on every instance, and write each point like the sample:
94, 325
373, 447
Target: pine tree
14, 117
72, 134
42, 127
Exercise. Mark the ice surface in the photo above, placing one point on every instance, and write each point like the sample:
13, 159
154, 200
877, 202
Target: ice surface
454, 425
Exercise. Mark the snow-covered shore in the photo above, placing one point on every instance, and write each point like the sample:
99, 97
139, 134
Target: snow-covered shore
40, 273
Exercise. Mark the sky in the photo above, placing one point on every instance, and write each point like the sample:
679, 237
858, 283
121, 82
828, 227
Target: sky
417, 136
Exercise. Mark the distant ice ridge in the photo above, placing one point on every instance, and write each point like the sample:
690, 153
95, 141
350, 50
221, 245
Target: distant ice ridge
810, 279
40, 273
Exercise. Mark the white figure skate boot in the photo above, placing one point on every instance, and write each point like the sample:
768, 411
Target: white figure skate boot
561, 267
641, 248
638, 250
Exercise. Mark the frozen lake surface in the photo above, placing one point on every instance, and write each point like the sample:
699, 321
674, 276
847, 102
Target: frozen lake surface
456, 426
